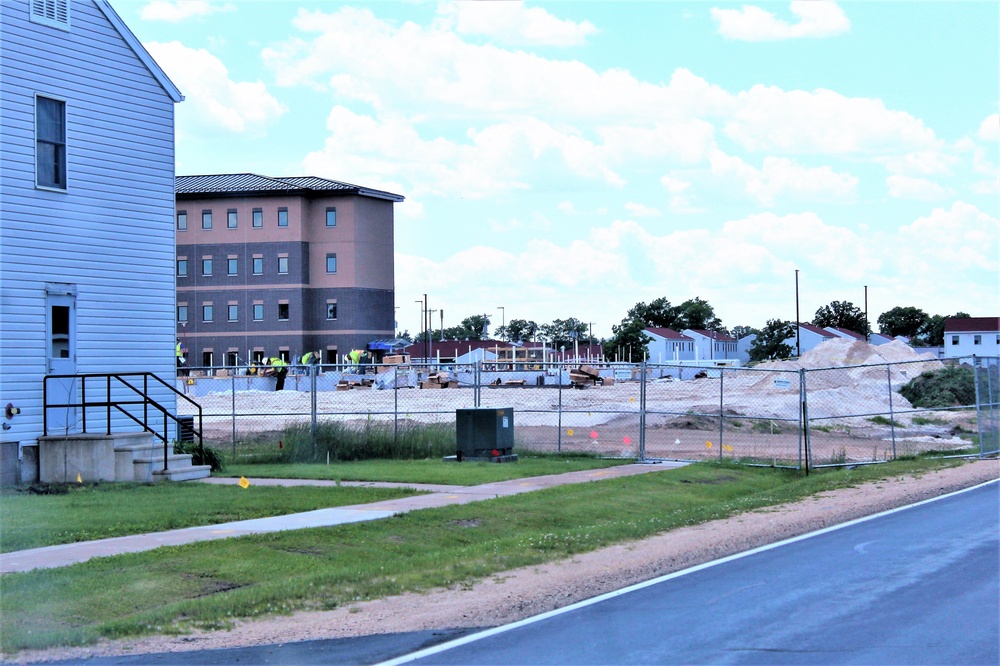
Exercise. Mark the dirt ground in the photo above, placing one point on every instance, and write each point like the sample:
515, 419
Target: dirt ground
521, 593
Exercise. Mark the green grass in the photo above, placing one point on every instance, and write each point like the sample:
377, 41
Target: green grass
881, 420
99, 511
208, 585
424, 471
928, 420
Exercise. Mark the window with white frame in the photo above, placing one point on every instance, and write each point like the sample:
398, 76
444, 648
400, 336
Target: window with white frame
258, 218
182, 268
206, 312
50, 143
258, 265
282, 265
206, 219
231, 219
182, 313
977, 339
232, 266
206, 267
331, 263
234, 312
182, 220
331, 310
331, 217
258, 312
282, 217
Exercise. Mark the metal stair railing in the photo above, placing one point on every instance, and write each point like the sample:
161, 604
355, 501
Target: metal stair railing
123, 380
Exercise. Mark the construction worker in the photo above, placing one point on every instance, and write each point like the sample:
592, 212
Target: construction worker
179, 351
310, 358
355, 357
280, 370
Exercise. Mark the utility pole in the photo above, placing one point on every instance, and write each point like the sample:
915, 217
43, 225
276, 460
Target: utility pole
441, 312
421, 313
427, 328
868, 326
798, 346
503, 322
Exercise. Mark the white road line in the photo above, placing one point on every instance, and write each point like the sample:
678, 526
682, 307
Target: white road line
443, 647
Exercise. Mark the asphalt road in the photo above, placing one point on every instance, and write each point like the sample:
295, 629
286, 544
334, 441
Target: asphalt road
915, 586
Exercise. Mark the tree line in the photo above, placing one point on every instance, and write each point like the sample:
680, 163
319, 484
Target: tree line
628, 342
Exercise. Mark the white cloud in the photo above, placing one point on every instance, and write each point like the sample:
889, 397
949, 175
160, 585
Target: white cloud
767, 118
175, 11
955, 240
498, 158
514, 23
781, 177
213, 100
753, 24
924, 162
989, 130
921, 189
641, 210
566, 207
680, 199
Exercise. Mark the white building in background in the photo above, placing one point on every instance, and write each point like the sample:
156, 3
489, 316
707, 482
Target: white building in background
979, 336
711, 345
667, 345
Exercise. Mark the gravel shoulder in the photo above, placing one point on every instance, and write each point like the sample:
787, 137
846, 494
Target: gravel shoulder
521, 593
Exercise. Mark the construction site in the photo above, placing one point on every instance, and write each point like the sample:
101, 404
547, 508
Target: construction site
837, 404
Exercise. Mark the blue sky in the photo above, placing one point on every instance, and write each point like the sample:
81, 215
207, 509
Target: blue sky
570, 159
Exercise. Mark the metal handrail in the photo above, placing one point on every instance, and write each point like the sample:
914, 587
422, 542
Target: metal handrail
143, 398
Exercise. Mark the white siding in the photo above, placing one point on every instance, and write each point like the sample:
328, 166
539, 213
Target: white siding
111, 233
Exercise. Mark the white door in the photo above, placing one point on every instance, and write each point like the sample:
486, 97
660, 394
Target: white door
60, 354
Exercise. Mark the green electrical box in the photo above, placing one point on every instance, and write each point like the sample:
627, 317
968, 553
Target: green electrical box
485, 434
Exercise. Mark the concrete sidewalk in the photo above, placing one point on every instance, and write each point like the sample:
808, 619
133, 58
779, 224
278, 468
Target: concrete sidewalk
72, 553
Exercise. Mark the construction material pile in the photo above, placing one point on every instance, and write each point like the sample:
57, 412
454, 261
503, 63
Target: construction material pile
439, 380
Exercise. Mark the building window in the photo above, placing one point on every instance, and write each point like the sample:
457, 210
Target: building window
206, 266
282, 217
258, 312
206, 219
331, 263
331, 356
182, 220
207, 359
182, 313
232, 359
331, 217
282, 311
234, 313
231, 218
331, 311
977, 339
206, 313
182, 268
258, 265
954, 339
54, 13
258, 217
50, 143
233, 266
282, 265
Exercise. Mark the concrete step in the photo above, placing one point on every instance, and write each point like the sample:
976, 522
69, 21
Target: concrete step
183, 473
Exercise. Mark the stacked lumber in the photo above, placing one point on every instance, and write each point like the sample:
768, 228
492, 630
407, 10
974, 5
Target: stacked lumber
584, 376
439, 380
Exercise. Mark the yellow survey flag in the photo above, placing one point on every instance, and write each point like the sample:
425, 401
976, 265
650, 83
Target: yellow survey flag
78, 478
244, 483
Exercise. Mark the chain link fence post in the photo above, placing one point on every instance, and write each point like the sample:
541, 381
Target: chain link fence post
313, 400
232, 386
722, 378
804, 419
395, 407
559, 409
892, 416
642, 413
979, 402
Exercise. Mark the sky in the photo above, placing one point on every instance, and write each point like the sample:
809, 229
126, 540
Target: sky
571, 159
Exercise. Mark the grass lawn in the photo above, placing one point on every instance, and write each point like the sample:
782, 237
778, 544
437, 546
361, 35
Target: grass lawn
98, 511
422, 471
209, 584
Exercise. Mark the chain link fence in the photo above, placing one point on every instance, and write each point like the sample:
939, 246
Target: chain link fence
775, 415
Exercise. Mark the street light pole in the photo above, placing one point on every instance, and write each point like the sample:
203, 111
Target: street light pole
503, 322
427, 328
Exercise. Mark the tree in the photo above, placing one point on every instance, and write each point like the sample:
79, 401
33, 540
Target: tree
696, 314
564, 332
932, 332
518, 330
770, 341
740, 332
906, 321
842, 314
